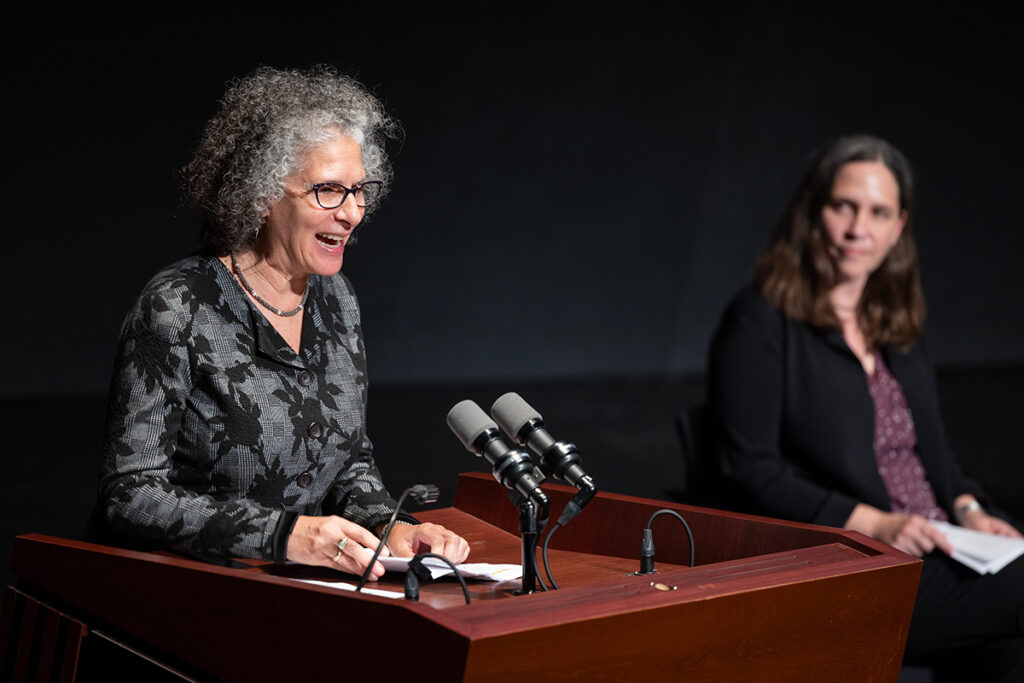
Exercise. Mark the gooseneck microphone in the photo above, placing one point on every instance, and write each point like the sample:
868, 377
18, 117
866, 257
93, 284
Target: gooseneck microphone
512, 468
422, 494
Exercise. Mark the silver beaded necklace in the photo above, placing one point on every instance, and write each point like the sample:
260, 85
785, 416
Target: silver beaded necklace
263, 302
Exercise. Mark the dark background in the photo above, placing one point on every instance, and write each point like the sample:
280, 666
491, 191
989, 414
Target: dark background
577, 196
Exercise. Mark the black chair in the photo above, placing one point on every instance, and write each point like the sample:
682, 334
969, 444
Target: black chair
704, 484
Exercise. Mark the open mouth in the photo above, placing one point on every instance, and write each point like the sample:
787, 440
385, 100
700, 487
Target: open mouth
330, 240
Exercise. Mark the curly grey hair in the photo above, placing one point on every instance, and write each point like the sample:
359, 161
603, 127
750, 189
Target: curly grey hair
266, 124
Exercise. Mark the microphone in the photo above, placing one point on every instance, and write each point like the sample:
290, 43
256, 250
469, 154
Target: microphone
557, 458
422, 494
526, 427
513, 468
425, 493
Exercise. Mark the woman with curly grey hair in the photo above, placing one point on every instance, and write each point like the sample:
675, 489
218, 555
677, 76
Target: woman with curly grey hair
236, 424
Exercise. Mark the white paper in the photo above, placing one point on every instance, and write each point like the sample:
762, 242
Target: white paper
471, 570
982, 552
341, 585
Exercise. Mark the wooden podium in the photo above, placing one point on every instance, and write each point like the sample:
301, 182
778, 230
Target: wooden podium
767, 600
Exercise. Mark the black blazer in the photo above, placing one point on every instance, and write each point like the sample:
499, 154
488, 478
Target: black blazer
793, 421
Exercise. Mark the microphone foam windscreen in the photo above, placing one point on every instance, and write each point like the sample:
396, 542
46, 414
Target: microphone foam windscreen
468, 420
512, 413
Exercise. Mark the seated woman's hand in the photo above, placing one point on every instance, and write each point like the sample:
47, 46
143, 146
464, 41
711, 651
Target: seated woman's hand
912, 534
334, 542
979, 520
407, 540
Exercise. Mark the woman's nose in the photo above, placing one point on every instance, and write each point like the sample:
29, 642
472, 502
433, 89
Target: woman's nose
349, 212
857, 225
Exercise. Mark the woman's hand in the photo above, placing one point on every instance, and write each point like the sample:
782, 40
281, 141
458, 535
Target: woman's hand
319, 540
912, 534
409, 539
979, 520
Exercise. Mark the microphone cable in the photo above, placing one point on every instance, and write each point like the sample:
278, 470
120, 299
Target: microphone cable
412, 578
421, 493
544, 555
647, 541
572, 508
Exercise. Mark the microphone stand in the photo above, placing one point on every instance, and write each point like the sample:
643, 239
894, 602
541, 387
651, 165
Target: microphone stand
531, 523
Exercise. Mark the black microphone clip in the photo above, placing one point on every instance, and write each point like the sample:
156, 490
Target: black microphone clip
416, 573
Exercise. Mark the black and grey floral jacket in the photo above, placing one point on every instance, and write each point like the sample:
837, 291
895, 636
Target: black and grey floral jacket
219, 434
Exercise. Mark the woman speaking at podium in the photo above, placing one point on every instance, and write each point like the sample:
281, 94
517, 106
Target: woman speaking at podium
236, 424
825, 405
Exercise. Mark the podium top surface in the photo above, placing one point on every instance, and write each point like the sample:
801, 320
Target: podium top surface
744, 564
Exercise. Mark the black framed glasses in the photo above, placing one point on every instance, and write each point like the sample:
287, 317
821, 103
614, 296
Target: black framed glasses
333, 195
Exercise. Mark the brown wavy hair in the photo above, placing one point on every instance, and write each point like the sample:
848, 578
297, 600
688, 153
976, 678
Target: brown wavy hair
795, 272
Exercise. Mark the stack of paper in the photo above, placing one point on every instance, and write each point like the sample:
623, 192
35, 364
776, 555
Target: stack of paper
984, 553
470, 570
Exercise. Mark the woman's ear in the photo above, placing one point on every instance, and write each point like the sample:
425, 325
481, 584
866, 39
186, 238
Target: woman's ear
899, 227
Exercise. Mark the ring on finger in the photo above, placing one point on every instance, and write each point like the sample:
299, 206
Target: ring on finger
342, 543
335, 558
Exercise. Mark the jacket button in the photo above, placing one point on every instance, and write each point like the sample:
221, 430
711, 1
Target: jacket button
315, 430
305, 378
304, 480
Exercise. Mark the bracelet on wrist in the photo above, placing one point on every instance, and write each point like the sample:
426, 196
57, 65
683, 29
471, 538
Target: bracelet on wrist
380, 529
962, 510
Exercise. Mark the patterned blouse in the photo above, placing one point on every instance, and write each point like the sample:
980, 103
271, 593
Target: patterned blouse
899, 465
219, 435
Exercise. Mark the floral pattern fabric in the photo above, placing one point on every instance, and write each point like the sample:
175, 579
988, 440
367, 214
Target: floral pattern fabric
218, 433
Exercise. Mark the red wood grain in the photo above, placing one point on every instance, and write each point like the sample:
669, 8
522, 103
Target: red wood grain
768, 600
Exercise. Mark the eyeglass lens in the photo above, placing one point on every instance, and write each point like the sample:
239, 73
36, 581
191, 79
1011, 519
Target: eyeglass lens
331, 196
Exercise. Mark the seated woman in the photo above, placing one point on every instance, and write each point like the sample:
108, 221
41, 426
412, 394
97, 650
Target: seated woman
236, 424
824, 401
